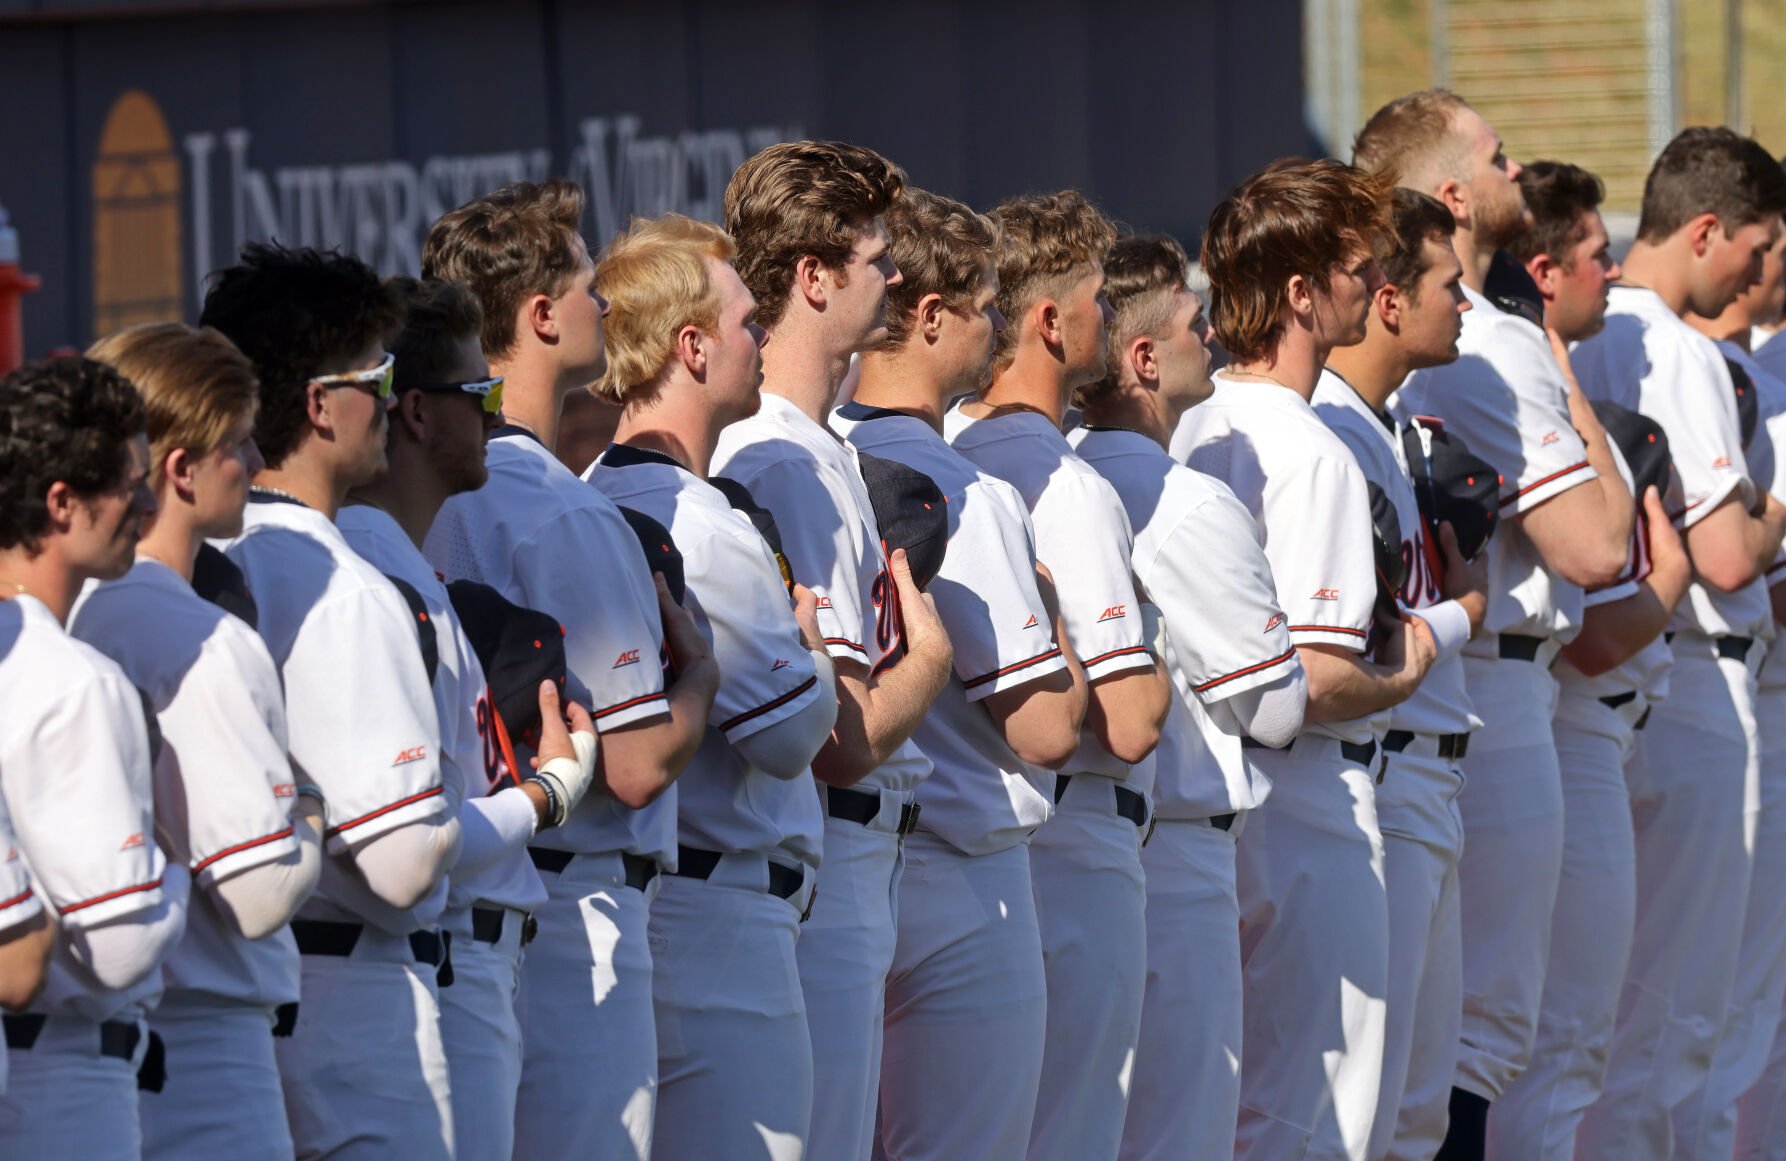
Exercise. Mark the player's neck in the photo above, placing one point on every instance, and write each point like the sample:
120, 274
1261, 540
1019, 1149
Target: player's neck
172, 538
410, 497
533, 395
1295, 363
45, 576
677, 423
1731, 326
305, 480
1131, 408
1373, 368
1033, 380
898, 382
1654, 268
799, 367
1474, 259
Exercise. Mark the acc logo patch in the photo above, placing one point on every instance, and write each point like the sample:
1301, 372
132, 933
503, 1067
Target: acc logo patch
780, 663
1031, 623
1113, 613
630, 657
413, 754
1276, 620
1326, 595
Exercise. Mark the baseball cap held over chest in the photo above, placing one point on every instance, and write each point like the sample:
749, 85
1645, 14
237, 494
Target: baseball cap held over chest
911, 511
1452, 485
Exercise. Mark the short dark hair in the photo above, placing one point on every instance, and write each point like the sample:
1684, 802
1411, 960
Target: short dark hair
1559, 195
1143, 276
1414, 218
1293, 217
438, 315
803, 197
68, 419
524, 239
1710, 171
296, 314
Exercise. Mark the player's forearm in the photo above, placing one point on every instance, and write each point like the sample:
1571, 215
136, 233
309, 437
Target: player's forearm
262, 899
1613, 633
121, 953
1730, 548
1124, 712
24, 955
401, 867
1343, 686
875, 715
637, 763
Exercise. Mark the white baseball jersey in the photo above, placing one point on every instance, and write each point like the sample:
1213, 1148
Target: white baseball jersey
1440, 705
1507, 399
74, 770
1083, 536
736, 595
470, 761
18, 902
357, 704
986, 596
808, 479
1649, 360
1767, 466
548, 541
1308, 497
1197, 554
221, 711
1770, 351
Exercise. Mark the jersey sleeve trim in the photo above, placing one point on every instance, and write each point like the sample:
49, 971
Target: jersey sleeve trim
638, 704
21, 897
432, 792
120, 893
1341, 635
1117, 661
1288, 655
1551, 485
844, 647
1699, 509
731, 724
976, 682
205, 864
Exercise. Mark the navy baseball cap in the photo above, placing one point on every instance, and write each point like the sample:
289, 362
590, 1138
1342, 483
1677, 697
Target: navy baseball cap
1510, 287
912, 513
661, 553
1386, 550
1642, 442
518, 648
739, 497
1452, 485
1748, 401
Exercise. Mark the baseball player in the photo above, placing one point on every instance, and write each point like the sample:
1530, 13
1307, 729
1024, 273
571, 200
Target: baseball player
1567, 519
26, 935
227, 803
966, 1001
1415, 319
362, 1064
1700, 239
819, 305
446, 400
1294, 244
538, 535
734, 1053
1086, 863
1235, 674
1707, 1127
1608, 677
75, 765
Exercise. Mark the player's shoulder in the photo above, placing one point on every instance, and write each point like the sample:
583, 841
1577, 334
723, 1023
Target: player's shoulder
42, 665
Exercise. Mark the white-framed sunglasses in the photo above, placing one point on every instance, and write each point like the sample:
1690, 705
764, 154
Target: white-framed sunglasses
489, 390
377, 380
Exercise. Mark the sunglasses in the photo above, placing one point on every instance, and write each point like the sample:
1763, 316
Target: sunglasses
490, 390
377, 379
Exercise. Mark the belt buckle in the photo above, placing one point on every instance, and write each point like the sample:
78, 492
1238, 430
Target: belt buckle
908, 818
530, 927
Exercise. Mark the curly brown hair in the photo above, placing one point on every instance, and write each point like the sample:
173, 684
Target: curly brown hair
68, 420
1046, 242
1296, 217
507, 246
939, 246
798, 198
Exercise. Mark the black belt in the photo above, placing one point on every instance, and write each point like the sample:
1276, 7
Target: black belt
1735, 648
1452, 747
1223, 821
695, 863
1519, 647
639, 869
486, 925
862, 807
117, 1039
1615, 700
1129, 804
327, 937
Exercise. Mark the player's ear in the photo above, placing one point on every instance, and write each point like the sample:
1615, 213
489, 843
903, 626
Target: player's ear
1143, 359
1388, 304
411, 413
316, 406
691, 348
931, 309
1699, 233
1299, 294
62, 503
1456, 197
1046, 316
539, 317
1544, 272
177, 469
809, 279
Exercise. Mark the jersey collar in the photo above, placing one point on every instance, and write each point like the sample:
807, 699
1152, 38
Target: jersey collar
620, 455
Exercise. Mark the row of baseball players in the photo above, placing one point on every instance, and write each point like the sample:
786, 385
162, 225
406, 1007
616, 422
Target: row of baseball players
970, 982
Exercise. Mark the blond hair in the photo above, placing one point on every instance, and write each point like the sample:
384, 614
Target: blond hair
194, 382
1414, 139
1045, 242
654, 275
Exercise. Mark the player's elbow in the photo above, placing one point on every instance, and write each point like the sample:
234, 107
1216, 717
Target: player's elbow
1725, 573
636, 788
1132, 742
1049, 747
1590, 565
1591, 656
843, 766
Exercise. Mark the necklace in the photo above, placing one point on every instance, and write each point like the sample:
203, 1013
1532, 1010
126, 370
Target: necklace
279, 492
1258, 376
18, 589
